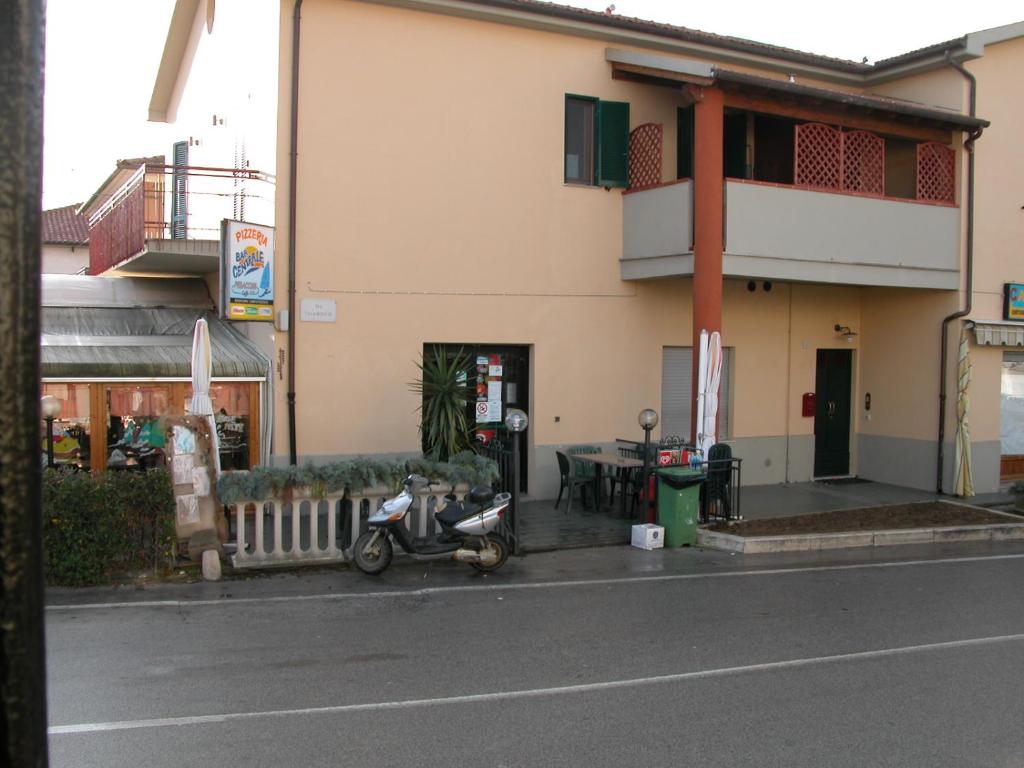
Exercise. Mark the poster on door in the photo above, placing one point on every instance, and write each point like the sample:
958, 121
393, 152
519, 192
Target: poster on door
488, 391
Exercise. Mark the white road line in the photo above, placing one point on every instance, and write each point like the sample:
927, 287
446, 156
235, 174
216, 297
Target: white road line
165, 722
425, 591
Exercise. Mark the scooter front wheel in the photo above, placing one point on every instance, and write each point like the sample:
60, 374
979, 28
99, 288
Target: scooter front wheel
498, 547
372, 558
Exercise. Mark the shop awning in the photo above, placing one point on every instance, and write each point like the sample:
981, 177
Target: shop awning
999, 334
136, 328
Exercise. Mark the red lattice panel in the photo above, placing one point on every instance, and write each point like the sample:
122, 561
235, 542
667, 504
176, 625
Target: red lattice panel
818, 162
936, 172
645, 156
863, 159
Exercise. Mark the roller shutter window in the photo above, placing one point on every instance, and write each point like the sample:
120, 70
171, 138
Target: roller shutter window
676, 392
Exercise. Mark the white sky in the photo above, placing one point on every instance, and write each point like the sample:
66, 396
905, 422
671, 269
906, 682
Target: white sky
102, 57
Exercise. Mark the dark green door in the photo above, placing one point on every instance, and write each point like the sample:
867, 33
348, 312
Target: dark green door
832, 413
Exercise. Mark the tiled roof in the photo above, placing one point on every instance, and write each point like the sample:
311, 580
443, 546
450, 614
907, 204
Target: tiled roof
680, 33
690, 35
63, 226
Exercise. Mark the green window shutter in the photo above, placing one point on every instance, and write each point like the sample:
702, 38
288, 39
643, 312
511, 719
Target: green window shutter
612, 144
179, 192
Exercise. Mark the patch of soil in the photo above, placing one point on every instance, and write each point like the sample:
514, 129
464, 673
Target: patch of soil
925, 514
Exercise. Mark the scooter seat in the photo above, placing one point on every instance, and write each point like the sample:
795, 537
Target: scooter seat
455, 512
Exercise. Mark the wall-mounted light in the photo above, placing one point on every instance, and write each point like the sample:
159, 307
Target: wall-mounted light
847, 331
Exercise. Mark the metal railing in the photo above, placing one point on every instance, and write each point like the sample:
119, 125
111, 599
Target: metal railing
721, 489
174, 202
507, 481
720, 494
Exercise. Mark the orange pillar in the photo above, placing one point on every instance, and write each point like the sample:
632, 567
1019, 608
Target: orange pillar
708, 223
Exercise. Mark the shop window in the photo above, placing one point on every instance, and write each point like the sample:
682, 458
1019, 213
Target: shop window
233, 416
596, 142
71, 432
677, 392
134, 437
1011, 413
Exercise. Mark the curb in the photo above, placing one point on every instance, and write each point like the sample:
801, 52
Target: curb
808, 542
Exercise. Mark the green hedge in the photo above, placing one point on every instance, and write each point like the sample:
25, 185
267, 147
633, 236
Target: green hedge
278, 482
98, 526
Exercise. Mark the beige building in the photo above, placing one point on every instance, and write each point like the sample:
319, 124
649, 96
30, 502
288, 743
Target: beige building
65, 236
573, 196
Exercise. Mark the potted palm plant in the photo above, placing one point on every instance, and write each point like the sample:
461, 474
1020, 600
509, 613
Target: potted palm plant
443, 385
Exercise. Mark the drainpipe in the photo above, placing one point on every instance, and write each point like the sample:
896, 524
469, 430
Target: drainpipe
292, 186
943, 359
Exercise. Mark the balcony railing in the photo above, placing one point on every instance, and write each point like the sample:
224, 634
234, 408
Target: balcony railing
168, 202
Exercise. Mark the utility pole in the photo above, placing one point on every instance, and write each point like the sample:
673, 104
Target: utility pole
22, 660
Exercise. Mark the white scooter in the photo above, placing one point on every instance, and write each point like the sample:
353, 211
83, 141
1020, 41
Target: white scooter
470, 532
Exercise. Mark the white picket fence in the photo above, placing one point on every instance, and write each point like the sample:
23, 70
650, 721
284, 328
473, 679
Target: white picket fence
308, 530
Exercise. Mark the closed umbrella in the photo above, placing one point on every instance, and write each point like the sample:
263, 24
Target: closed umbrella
202, 368
713, 375
963, 483
702, 366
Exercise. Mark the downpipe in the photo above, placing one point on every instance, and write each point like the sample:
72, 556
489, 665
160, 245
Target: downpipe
292, 215
969, 283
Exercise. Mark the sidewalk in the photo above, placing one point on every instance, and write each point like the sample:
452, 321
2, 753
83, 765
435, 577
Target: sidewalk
542, 527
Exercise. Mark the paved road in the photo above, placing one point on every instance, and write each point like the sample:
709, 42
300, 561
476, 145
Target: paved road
612, 657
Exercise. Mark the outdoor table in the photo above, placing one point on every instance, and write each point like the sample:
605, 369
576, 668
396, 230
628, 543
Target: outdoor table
621, 463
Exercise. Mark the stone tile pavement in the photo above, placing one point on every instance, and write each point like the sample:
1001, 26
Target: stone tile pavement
542, 527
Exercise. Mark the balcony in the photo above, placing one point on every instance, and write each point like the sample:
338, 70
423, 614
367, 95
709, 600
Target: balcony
819, 204
658, 231
132, 233
777, 232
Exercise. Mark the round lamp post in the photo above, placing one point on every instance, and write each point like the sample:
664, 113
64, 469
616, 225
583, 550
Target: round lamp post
648, 419
517, 421
50, 407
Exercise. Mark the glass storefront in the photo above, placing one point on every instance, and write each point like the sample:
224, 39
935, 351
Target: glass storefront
134, 437
232, 414
1011, 413
125, 430
72, 431
498, 379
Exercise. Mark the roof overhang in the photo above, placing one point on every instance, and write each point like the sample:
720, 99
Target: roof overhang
672, 71
183, 35
623, 30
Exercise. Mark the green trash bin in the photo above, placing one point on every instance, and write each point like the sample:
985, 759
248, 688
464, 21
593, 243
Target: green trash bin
679, 504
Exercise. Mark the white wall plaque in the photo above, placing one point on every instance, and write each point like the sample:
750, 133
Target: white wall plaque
319, 311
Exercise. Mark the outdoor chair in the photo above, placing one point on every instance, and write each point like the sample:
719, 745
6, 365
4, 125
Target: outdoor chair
719, 480
571, 479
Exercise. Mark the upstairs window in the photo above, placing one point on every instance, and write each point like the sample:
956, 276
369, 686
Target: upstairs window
596, 142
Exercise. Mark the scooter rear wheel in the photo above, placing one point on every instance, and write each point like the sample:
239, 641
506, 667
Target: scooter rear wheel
498, 546
376, 558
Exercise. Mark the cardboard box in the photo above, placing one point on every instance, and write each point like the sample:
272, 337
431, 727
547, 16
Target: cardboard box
648, 536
